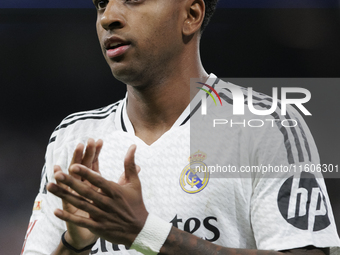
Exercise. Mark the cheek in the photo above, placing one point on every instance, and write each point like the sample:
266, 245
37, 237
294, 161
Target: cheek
161, 33
161, 24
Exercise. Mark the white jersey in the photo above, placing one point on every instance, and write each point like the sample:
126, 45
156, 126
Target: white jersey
252, 213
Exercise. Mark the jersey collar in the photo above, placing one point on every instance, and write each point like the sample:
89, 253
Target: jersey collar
123, 123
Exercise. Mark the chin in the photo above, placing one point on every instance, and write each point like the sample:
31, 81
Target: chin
126, 75
131, 74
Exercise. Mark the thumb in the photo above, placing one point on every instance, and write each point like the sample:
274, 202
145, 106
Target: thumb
57, 170
122, 180
129, 163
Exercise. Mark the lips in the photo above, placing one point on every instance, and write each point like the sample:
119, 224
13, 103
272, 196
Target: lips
116, 46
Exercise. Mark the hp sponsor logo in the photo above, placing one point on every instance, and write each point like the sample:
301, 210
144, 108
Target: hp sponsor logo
302, 203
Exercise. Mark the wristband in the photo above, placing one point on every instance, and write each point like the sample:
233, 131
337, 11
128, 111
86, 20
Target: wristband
153, 235
70, 247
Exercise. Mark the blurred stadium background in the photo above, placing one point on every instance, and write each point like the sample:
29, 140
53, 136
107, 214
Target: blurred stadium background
51, 65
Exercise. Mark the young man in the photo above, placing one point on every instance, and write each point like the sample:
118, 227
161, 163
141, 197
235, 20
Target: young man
153, 47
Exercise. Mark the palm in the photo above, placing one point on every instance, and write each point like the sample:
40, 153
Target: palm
74, 230
90, 160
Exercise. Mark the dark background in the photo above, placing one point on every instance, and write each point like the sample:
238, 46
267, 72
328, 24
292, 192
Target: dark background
51, 65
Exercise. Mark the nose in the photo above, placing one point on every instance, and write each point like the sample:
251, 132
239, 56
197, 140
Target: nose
112, 17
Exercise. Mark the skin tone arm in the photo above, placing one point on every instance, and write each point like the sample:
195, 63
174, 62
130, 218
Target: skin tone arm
180, 242
116, 212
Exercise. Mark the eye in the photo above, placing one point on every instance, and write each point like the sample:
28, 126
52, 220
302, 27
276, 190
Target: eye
101, 4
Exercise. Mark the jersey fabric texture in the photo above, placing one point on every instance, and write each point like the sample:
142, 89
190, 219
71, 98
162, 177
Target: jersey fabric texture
271, 213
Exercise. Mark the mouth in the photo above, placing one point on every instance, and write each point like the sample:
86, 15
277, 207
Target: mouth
116, 47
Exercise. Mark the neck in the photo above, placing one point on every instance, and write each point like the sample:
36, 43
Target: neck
155, 107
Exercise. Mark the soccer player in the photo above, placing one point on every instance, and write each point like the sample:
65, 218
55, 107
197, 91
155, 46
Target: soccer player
97, 200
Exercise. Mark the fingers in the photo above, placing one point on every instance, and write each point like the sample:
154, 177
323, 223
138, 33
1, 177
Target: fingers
72, 199
90, 153
122, 180
80, 188
95, 162
77, 220
89, 158
94, 178
129, 163
78, 154
57, 169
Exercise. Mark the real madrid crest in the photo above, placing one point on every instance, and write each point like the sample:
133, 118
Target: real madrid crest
195, 176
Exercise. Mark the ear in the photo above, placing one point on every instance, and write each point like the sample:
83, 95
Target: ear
195, 15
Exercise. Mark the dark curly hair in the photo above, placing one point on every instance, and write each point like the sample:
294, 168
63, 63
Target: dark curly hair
210, 7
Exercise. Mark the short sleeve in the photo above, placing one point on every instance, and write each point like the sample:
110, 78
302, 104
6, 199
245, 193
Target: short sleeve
45, 229
290, 208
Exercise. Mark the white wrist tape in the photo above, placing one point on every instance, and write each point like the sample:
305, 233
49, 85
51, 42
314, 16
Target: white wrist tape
153, 235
